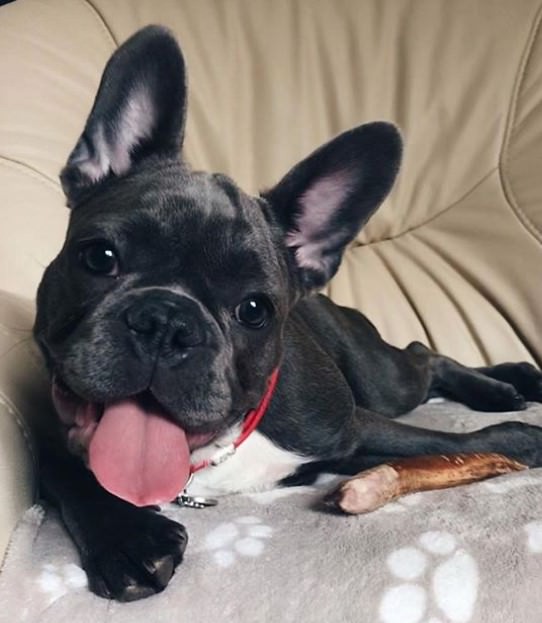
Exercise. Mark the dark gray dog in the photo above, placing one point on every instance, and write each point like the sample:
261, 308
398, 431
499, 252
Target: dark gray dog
177, 301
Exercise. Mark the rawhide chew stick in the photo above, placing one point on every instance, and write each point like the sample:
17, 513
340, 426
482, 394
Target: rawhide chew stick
374, 487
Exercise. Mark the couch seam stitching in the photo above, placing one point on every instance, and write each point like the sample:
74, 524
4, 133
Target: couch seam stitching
102, 21
24, 167
507, 189
415, 228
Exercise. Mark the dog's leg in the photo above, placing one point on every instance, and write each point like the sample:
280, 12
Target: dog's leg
505, 387
127, 552
370, 439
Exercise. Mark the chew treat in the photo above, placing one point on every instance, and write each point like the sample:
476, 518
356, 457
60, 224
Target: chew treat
374, 487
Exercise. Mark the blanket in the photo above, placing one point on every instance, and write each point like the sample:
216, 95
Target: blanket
471, 554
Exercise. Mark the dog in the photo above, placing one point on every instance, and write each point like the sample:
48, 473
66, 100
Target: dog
186, 340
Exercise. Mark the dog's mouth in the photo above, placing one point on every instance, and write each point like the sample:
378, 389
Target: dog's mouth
135, 450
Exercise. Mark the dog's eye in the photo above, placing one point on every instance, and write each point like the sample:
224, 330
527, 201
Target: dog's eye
99, 258
254, 312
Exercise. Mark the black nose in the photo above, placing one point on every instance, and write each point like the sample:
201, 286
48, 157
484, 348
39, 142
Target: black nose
165, 320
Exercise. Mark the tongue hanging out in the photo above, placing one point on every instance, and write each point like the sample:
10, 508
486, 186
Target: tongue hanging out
138, 455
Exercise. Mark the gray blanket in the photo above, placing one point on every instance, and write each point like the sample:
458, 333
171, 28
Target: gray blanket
467, 555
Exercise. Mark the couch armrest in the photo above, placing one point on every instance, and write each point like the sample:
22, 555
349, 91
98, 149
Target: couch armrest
23, 392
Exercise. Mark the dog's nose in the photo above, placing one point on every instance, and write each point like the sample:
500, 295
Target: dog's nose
166, 320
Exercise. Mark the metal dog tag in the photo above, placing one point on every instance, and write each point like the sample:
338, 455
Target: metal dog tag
194, 501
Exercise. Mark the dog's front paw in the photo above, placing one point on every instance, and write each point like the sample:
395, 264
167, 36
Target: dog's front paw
137, 557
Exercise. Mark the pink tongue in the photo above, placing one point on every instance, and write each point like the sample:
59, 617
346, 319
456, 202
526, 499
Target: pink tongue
139, 455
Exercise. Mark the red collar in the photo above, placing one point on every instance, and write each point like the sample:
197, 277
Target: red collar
250, 423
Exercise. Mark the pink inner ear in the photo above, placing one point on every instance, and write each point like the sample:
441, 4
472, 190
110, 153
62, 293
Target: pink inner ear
97, 167
136, 122
317, 205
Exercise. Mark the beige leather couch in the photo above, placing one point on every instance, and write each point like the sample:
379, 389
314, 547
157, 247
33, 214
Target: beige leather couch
453, 258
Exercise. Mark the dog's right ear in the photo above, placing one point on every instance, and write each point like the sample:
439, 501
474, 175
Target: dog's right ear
139, 110
323, 201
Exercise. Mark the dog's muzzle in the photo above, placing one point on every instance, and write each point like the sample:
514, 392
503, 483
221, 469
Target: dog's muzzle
134, 444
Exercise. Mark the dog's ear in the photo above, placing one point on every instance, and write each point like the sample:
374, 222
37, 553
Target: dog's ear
323, 201
139, 110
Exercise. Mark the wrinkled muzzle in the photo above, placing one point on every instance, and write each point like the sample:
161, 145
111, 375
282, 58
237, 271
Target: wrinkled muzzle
139, 388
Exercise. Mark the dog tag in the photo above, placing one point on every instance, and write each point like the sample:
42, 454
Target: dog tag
194, 501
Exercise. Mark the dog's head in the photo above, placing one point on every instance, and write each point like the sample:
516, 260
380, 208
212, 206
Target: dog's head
162, 317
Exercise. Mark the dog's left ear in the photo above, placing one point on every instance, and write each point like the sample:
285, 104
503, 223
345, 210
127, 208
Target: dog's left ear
324, 201
139, 110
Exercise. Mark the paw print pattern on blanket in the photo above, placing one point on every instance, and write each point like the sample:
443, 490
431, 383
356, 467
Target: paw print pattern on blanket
437, 582
57, 580
403, 504
534, 536
245, 537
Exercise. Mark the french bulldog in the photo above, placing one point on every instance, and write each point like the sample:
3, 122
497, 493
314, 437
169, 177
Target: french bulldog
180, 323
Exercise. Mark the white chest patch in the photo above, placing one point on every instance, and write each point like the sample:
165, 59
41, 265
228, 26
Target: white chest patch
257, 464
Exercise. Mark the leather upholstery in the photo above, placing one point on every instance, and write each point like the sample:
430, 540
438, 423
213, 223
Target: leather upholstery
454, 256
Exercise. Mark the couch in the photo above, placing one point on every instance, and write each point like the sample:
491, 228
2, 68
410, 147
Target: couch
454, 256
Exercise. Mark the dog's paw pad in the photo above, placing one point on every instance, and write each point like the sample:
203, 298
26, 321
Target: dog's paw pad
243, 537
439, 582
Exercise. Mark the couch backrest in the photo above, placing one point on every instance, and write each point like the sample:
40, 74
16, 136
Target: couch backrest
453, 257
